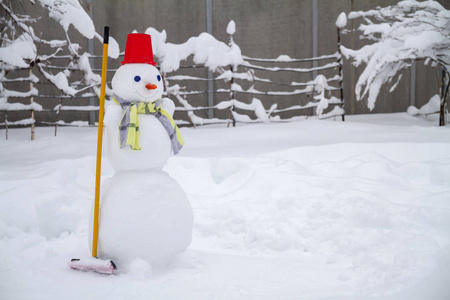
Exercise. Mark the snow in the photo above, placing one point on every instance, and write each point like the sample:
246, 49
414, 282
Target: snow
204, 48
15, 53
9, 93
301, 70
113, 46
155, 145
60, 81
145, 215
70, 12
283, 57
231, 27
125, 86
406, 32
23, 122
32, 78
302, 210
4, 105
256, 106
320, 87
431, 107
73, 123
146, 218
85, 67
336, 111
341, 21
287, 58
76, 108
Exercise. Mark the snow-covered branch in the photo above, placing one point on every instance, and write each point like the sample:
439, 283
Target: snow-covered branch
21, 50
204, 48
403, 33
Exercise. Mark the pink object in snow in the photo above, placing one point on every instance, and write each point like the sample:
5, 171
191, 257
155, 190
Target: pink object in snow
93, 264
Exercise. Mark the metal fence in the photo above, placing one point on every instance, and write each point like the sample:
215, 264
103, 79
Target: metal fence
250, 92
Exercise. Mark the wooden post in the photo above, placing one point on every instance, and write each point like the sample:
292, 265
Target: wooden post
57, 115
442, 112
32, 111
6, 124
209, 29
231, 98
163, 75
341, 85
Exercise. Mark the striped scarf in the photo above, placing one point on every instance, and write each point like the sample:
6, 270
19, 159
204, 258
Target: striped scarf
129, 124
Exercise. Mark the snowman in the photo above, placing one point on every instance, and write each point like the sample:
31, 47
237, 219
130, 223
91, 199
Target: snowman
144, 213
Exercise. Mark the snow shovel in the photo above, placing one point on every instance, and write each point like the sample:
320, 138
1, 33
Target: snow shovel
95, 264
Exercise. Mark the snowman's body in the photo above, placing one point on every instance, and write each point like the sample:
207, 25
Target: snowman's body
144, 212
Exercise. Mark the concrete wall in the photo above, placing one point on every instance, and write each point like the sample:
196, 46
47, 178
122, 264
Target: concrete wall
264, 29
267, 29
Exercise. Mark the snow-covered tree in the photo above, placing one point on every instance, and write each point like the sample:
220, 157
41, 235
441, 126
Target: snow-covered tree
401, 34
23, 49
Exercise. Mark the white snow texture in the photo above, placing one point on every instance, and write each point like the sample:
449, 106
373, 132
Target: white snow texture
205, 49
310, 210
144, 214
70, 12
14, 54
341, 21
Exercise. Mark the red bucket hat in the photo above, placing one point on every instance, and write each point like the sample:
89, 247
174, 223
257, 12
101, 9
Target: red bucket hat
138, 49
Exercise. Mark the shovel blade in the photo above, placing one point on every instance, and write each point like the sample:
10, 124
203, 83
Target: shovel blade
93, 265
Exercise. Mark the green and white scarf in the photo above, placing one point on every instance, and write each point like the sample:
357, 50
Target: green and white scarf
129, 124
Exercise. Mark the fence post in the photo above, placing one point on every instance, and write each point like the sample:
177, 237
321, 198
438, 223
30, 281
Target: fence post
90, 48
341, 84
315, 36
210, 73
412, 85
232, 97
57, 115
6, 124
443, 108
163, 75
31, 102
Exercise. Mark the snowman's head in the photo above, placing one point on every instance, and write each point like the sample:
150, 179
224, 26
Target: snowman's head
138, 82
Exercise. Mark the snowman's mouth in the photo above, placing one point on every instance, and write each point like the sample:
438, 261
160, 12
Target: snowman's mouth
148, 95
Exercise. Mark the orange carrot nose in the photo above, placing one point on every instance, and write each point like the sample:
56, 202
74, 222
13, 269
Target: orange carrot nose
151, 86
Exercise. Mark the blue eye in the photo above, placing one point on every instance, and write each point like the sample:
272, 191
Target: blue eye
137, 78
159, 78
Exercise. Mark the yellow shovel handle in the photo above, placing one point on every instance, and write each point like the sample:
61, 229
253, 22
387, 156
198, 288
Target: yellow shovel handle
99, 142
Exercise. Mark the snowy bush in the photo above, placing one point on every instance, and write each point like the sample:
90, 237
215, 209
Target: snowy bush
401, 34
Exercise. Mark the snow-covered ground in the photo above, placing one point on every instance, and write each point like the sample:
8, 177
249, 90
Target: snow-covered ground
302, 210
